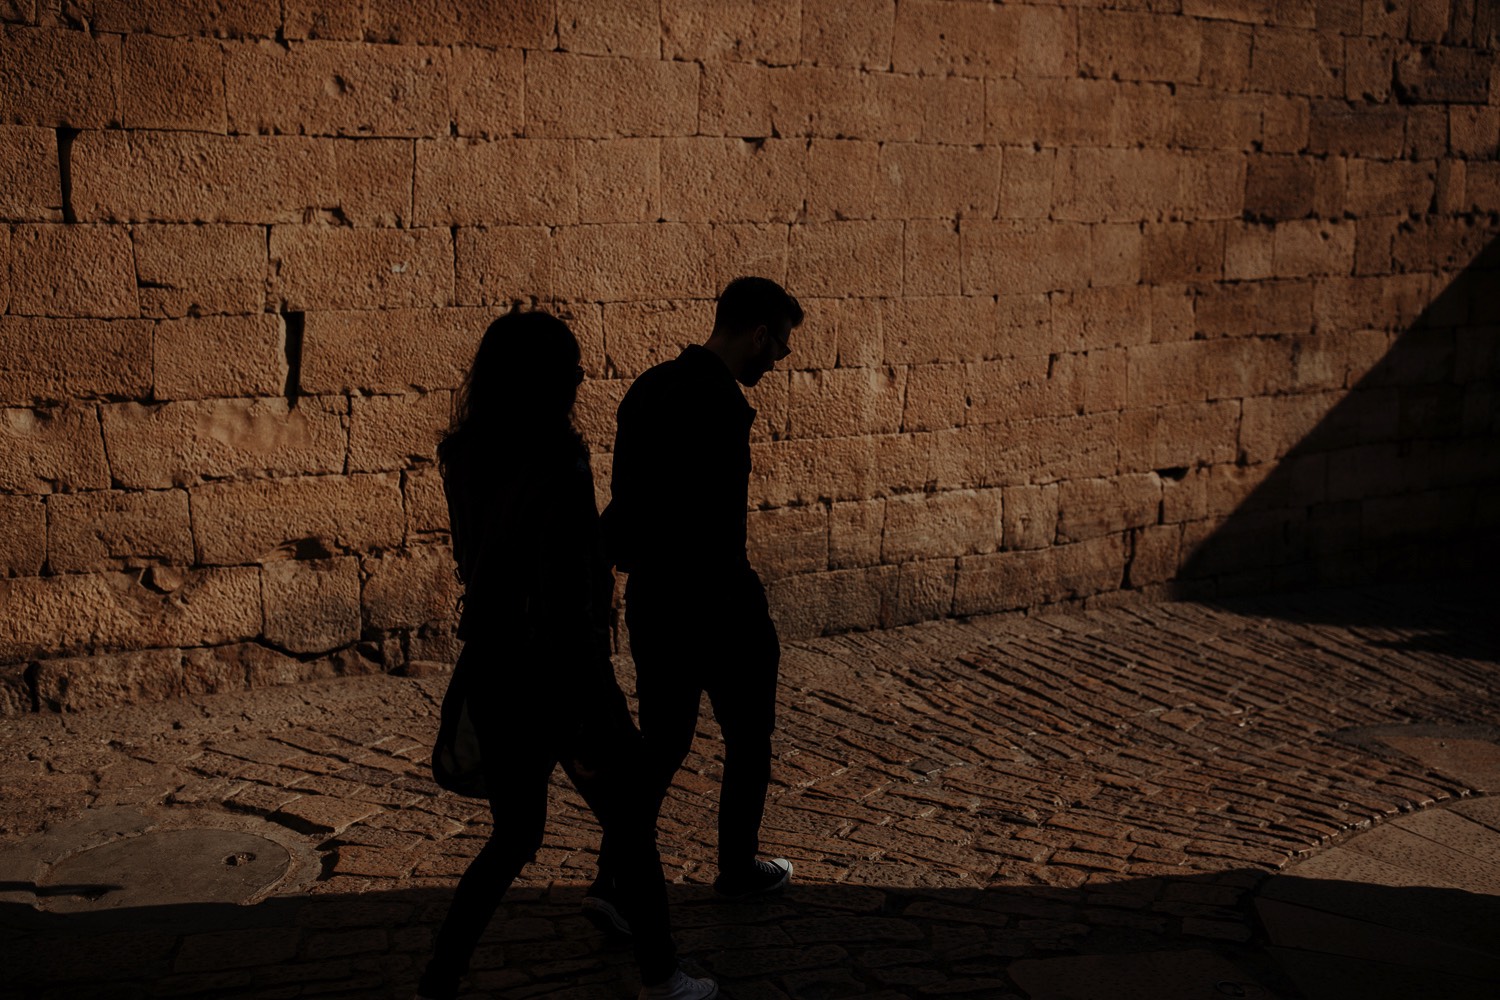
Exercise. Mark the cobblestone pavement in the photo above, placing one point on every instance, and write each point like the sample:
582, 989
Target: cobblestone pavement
1000, 807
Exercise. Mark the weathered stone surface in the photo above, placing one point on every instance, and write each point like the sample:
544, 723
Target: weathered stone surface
23, 535
394, 432
309, 515
529, 24
212, 356
244, 19
337, 88
46, 360
590, 97
113, 529
200, 270
187, 177
843, 402
54, 76
311, 605
463, 182
395, 351
788, 540
322, 267
45, 616
28, 157
172, 83
60, 270
176, 444
73, 684
954, 523
50, 451
410, 588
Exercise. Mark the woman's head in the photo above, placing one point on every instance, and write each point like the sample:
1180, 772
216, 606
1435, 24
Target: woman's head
523, 380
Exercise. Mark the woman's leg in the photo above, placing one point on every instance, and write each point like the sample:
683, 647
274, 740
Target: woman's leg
517, 760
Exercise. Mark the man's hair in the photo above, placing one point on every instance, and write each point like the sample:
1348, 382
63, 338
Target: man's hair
747, 303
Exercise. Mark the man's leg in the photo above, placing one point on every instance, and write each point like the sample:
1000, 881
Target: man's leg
668, 698
742, 691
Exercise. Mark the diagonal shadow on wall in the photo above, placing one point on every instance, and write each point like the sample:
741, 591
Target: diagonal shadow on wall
1399, 480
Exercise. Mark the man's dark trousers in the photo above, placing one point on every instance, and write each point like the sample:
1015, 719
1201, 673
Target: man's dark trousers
686, 644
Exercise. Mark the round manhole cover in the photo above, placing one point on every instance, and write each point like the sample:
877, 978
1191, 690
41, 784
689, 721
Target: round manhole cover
163, 867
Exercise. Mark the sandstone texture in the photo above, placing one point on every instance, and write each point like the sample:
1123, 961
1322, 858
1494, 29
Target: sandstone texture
1104, 303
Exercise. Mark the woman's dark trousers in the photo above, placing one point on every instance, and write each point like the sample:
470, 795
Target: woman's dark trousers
525, 727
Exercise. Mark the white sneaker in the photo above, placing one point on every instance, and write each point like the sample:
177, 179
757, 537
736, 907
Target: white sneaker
681, 987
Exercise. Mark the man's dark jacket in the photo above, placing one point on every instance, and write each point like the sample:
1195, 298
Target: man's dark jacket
679, 484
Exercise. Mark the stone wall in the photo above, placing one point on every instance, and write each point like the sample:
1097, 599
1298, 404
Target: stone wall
1088, 286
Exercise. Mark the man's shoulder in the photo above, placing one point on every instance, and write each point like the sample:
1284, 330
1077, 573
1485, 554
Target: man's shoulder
665, 380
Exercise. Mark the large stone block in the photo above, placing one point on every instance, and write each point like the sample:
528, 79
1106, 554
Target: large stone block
154, 446
15, 690
464, 182
926, 525
1180, 436
1088, 508
73, 271
588, 97
785, 473
33, 190
623, 180
931, 262
964, 39
311, 605
528, 24
486, 91
1092, 318
50, 615
321, 267
924, 591
1183, 251
1444, 74
755, 249
23, 535
1015, 389
115, 529
841, 402
1002, 581
337, 88
1028, 516
609, 28
630, 262
846, 258
1376, 187
1310, 247
220, 356
812, 604
925, 180
172, 83
394, 432
1125, 45
340, 19
410, 588
51, 451
73, 684
241, 19
1009, 258
1293, 61
712, 179
700, 30
1340, 128
927, 330
1254, 308
311, 515
396, 350
936, 397
784, 541
1114, 185
374, 181
58, 76
594, 411
507, 264
200, 270
1154, 556
189, 177
426, 504
853, 33
855, 528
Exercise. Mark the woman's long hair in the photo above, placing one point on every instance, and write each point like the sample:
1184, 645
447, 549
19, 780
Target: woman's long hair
518, 394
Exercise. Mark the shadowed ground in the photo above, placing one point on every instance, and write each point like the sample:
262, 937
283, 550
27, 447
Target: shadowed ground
1275, 797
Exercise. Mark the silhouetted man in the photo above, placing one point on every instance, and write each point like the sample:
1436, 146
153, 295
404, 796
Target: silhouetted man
695, 608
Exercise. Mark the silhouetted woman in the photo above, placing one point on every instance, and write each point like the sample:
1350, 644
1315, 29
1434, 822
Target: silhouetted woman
535, 666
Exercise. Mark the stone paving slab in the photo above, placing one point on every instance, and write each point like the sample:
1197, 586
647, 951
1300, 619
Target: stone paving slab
959, 798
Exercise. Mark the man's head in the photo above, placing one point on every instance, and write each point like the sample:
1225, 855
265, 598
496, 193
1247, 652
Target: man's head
752, 327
